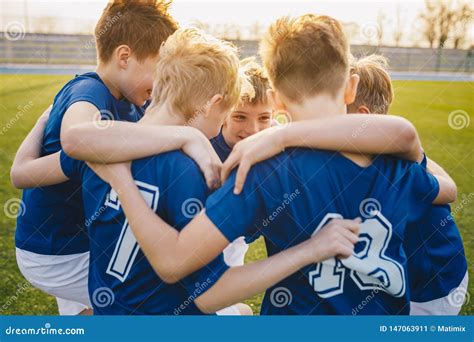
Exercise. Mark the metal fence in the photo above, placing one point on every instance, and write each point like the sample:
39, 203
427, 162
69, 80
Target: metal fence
80, 50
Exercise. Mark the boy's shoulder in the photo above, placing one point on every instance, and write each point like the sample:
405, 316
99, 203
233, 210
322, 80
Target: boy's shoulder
88, 84
175, 164
392, 165
295, 156
175, 156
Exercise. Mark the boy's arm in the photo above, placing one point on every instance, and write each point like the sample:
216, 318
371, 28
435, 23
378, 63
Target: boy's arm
172, 254
357, 133
447, 191
84, 138
29, 169
337, 238
447, 186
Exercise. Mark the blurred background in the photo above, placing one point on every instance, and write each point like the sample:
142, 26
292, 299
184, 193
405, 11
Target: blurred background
417, 36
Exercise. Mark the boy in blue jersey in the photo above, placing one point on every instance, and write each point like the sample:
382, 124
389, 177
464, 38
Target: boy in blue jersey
289, 198
51, 239
437, 266
252, 114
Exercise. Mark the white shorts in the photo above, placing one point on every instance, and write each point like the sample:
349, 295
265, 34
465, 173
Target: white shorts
234, 253
232, 310
62, 276
448, 305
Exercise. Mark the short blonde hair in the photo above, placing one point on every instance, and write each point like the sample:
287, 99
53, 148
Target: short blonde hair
194, 66
258, 81
305, 56
375, 86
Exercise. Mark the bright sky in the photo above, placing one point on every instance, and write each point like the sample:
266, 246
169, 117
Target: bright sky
243, 13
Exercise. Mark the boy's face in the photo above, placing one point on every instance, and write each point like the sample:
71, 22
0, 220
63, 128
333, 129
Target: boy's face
246, 120
136, 81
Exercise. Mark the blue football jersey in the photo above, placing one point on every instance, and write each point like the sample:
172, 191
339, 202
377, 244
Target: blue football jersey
220, 146
53, 222
289, 198
121, 280
436, 260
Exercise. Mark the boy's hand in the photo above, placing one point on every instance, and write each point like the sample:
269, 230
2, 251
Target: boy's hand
256, 148
199, 148
336, 239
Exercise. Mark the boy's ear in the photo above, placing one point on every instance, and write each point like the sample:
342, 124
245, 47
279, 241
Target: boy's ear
363, 110
212, 104
275, 100
350, 92
123, 53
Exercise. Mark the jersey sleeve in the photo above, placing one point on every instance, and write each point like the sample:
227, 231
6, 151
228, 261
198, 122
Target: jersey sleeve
238, 215
71, 167
187, 192
92, 91
182, 201
424, 162
425, 188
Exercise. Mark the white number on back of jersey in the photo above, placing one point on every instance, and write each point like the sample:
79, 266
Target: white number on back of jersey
370, 268
127, 247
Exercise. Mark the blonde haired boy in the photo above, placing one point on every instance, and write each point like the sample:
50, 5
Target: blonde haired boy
375, 91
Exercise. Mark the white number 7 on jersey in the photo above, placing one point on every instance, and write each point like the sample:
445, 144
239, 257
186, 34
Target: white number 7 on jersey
127, 247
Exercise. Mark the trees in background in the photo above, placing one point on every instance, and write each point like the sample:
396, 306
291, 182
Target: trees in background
444, 20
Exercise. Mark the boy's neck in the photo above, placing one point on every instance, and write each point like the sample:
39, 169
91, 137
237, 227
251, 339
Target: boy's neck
317, 107
226, 139
162, 115
325, 106
105, 74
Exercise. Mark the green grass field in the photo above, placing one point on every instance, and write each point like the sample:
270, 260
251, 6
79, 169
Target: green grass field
426, 104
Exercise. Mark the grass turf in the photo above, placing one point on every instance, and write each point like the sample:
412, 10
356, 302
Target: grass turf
427, 104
